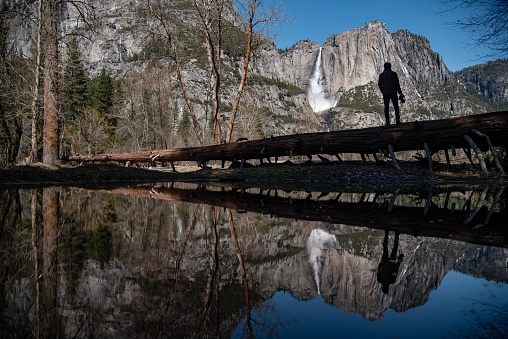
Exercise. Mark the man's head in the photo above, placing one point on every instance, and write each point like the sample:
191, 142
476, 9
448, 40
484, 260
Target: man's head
388, 65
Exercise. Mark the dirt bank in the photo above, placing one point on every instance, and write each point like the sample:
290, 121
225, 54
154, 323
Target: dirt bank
311, 176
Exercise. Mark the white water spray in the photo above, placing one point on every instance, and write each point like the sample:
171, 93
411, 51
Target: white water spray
317, 240
318, 101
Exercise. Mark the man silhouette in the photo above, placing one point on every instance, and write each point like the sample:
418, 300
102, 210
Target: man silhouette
389, 85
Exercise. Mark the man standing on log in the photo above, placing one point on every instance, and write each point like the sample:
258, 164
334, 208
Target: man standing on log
389, 85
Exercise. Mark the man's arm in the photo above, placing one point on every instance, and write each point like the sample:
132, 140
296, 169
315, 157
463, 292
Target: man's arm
397, 84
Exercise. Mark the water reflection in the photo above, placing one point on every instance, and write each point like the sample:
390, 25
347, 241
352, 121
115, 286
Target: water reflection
388, 268
318, 239
179, 260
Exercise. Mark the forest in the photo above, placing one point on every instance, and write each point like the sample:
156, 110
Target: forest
52, 104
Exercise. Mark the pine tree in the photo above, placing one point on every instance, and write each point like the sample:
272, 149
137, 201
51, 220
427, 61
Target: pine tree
184, 126
74, 84
100, 93
100, 98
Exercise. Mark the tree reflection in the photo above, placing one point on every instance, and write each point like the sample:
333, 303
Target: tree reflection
49, 248
13, 268
486, 321
244, 272
262, 320
212, 283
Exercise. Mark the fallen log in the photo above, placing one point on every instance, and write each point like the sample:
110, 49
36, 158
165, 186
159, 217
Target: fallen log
431, 136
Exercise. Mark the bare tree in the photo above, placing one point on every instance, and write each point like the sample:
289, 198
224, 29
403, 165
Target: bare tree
157, 10
488, 23
14, 88
34, 156
210, 12
259, 16
48, 38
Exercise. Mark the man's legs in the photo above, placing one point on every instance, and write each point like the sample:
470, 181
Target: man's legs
387, 109
396, 107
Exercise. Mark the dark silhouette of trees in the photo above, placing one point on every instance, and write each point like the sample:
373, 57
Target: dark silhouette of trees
13, 91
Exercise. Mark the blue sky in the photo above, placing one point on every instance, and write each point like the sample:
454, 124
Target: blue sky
316, 20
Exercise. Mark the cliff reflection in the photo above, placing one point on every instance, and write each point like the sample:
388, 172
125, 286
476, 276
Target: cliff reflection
189, 260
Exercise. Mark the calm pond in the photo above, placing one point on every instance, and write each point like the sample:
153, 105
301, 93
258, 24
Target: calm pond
186, 260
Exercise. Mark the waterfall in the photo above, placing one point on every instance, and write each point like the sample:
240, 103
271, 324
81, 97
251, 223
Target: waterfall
317, 240
317, 99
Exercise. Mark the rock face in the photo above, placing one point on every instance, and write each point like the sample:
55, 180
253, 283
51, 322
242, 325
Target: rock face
294, 66
111, 41
351, 63
356, 57
490, 80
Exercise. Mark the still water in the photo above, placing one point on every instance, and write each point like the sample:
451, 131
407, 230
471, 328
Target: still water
185, 260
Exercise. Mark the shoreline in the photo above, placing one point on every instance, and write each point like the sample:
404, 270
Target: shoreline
292, 176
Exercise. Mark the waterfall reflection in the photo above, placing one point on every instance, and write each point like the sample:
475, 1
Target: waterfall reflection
184, 260
318, 239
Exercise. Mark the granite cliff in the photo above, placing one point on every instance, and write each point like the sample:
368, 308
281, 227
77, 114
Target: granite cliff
488, 80
352, 61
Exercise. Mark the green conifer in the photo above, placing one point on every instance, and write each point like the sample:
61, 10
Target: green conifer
74, 84
100, 93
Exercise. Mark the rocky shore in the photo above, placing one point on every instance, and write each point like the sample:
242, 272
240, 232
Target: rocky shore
288, 175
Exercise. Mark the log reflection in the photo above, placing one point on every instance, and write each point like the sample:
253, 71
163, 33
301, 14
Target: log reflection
477, 224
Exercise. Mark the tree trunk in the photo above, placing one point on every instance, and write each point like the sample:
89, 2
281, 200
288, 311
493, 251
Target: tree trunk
197, 128
34, 152
50, 47
211, 14
244, 74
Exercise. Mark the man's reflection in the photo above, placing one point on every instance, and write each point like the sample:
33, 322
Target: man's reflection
388, 268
